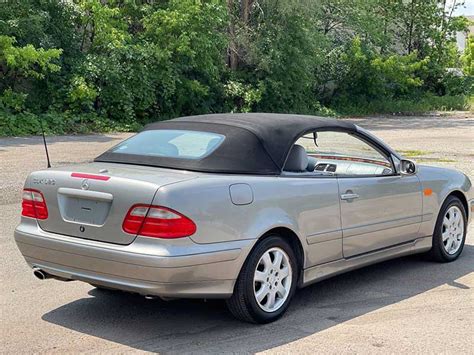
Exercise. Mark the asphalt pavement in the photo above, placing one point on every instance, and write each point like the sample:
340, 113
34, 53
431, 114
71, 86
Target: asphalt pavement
406, 305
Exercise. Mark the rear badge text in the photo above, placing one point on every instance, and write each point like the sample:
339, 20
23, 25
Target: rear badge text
44, 181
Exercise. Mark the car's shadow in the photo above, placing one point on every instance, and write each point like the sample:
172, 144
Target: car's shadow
197, 326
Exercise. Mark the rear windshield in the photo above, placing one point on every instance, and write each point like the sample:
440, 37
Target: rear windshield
171, 144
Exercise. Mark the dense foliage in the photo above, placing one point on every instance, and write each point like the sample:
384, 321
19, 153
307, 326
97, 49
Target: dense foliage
468, 57
96, 65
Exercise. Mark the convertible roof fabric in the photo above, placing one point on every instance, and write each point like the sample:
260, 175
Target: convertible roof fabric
255, 143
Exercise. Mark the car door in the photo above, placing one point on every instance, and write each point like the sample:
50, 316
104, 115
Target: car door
313, 199
379, 208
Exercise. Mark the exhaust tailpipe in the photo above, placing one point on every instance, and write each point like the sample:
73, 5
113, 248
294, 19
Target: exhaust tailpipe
43, 275
40, 274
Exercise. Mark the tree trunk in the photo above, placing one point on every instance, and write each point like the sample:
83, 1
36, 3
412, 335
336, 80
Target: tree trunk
245, 10
232, 57
410, 27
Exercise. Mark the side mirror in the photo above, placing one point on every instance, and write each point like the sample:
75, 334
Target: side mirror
407, 167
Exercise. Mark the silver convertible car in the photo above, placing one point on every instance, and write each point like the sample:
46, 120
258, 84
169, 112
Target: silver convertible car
246, 207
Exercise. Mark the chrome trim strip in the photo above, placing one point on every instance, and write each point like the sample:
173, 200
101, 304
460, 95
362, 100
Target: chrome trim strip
324, 236
324, 271
381, 249
380, 226
427, 217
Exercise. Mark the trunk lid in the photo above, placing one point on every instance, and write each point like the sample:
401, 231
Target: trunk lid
90, 201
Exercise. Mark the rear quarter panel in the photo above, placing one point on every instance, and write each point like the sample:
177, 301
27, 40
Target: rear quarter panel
305, 206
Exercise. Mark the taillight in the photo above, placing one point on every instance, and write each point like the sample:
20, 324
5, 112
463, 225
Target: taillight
33, 204
157, 222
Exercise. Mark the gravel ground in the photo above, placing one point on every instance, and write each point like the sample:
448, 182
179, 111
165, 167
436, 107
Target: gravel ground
405, 305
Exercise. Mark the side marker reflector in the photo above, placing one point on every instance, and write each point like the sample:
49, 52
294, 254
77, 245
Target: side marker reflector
427, 192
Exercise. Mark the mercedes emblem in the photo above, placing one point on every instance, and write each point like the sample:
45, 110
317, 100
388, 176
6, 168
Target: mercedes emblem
85, 184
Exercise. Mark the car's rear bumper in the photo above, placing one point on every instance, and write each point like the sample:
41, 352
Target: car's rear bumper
179, 268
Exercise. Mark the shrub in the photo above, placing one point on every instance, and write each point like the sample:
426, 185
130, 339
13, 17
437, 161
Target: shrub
26, 123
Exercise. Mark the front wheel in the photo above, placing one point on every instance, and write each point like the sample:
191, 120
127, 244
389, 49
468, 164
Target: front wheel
266, 282
450, 231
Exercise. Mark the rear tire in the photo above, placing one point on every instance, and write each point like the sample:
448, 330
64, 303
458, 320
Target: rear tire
266, 283
450, 231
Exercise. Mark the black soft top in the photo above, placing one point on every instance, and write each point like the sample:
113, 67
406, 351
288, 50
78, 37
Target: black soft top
255, 143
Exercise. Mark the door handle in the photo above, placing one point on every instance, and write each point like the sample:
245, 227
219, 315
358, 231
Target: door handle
349, 196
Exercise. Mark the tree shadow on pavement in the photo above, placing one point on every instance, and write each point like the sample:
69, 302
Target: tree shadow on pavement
206, 327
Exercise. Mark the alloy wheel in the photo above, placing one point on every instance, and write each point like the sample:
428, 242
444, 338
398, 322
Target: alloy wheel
272, 279
452, 230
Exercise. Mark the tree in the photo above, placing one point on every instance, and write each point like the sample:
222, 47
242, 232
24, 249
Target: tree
19, 65
128, 62
468, 57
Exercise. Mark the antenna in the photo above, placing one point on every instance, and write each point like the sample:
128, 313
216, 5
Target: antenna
44, 142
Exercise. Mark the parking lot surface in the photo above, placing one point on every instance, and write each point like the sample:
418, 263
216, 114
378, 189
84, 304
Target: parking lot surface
406, 305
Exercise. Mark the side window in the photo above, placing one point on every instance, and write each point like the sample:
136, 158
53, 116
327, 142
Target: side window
345, 155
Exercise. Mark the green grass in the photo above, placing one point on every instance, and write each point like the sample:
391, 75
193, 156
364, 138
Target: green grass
471, 103
427, 103
413, 153
23, 124
420, 156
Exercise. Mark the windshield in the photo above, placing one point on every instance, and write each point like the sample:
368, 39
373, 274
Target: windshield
171, 144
